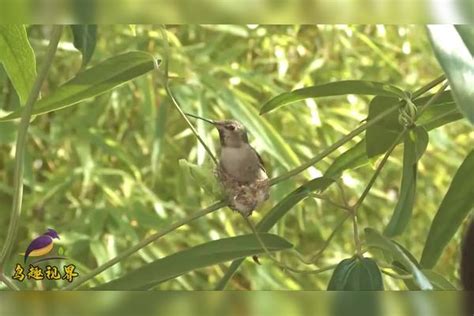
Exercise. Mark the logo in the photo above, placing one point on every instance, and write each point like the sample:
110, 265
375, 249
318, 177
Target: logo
40, 250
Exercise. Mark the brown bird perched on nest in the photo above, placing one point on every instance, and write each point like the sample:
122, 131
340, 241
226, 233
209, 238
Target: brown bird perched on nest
240, 170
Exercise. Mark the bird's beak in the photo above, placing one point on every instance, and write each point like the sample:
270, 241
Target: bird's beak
205, 120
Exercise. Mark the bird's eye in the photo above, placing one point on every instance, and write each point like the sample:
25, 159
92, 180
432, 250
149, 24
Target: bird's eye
230, 127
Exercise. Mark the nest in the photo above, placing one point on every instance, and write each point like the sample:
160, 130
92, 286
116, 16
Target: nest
244, 197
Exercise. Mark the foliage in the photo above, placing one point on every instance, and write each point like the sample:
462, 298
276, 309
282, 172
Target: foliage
111, 163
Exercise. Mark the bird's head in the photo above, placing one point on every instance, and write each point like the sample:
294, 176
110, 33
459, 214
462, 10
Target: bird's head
52, 233
231, 132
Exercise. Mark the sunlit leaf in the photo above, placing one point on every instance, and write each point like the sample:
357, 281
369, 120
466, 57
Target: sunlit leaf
375, 240
456, 205
456, 59
197, 257
94, 81
18, 58
333, 89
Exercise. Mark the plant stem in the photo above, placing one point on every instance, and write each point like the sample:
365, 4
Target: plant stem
8, 282
431, 100
377, 171
144, 243
318, 255
172, 98
21, 145
430, 85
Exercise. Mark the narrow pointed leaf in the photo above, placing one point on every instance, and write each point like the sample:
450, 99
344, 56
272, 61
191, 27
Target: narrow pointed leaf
85, 36
456, 59
197, 257
414, 146
333, 89
18, 59
375, 240
455, 207
94, 81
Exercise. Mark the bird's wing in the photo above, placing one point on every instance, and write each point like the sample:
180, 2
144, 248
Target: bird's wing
38, 243
262, 165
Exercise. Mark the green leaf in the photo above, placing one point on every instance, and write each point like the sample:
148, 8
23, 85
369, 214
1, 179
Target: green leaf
333, 89
375, 240
356, 274
439, 282
340, 275
456, 59
94, 81
415, 145
85, 36
18, 59
276, 213
365, 276
455, 207
467, 34
197, 257
381, 135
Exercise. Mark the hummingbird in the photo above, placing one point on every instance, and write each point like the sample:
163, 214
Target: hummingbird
237, 157
240, 169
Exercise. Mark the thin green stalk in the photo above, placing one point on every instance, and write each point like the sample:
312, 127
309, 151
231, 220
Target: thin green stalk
171, 96
21, 145
8, 282
431, 100
143, 243
318, 255
430, 85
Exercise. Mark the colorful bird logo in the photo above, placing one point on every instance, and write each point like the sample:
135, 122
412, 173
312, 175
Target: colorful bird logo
41, 245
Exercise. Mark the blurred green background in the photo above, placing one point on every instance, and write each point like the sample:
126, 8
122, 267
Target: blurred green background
105, 173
